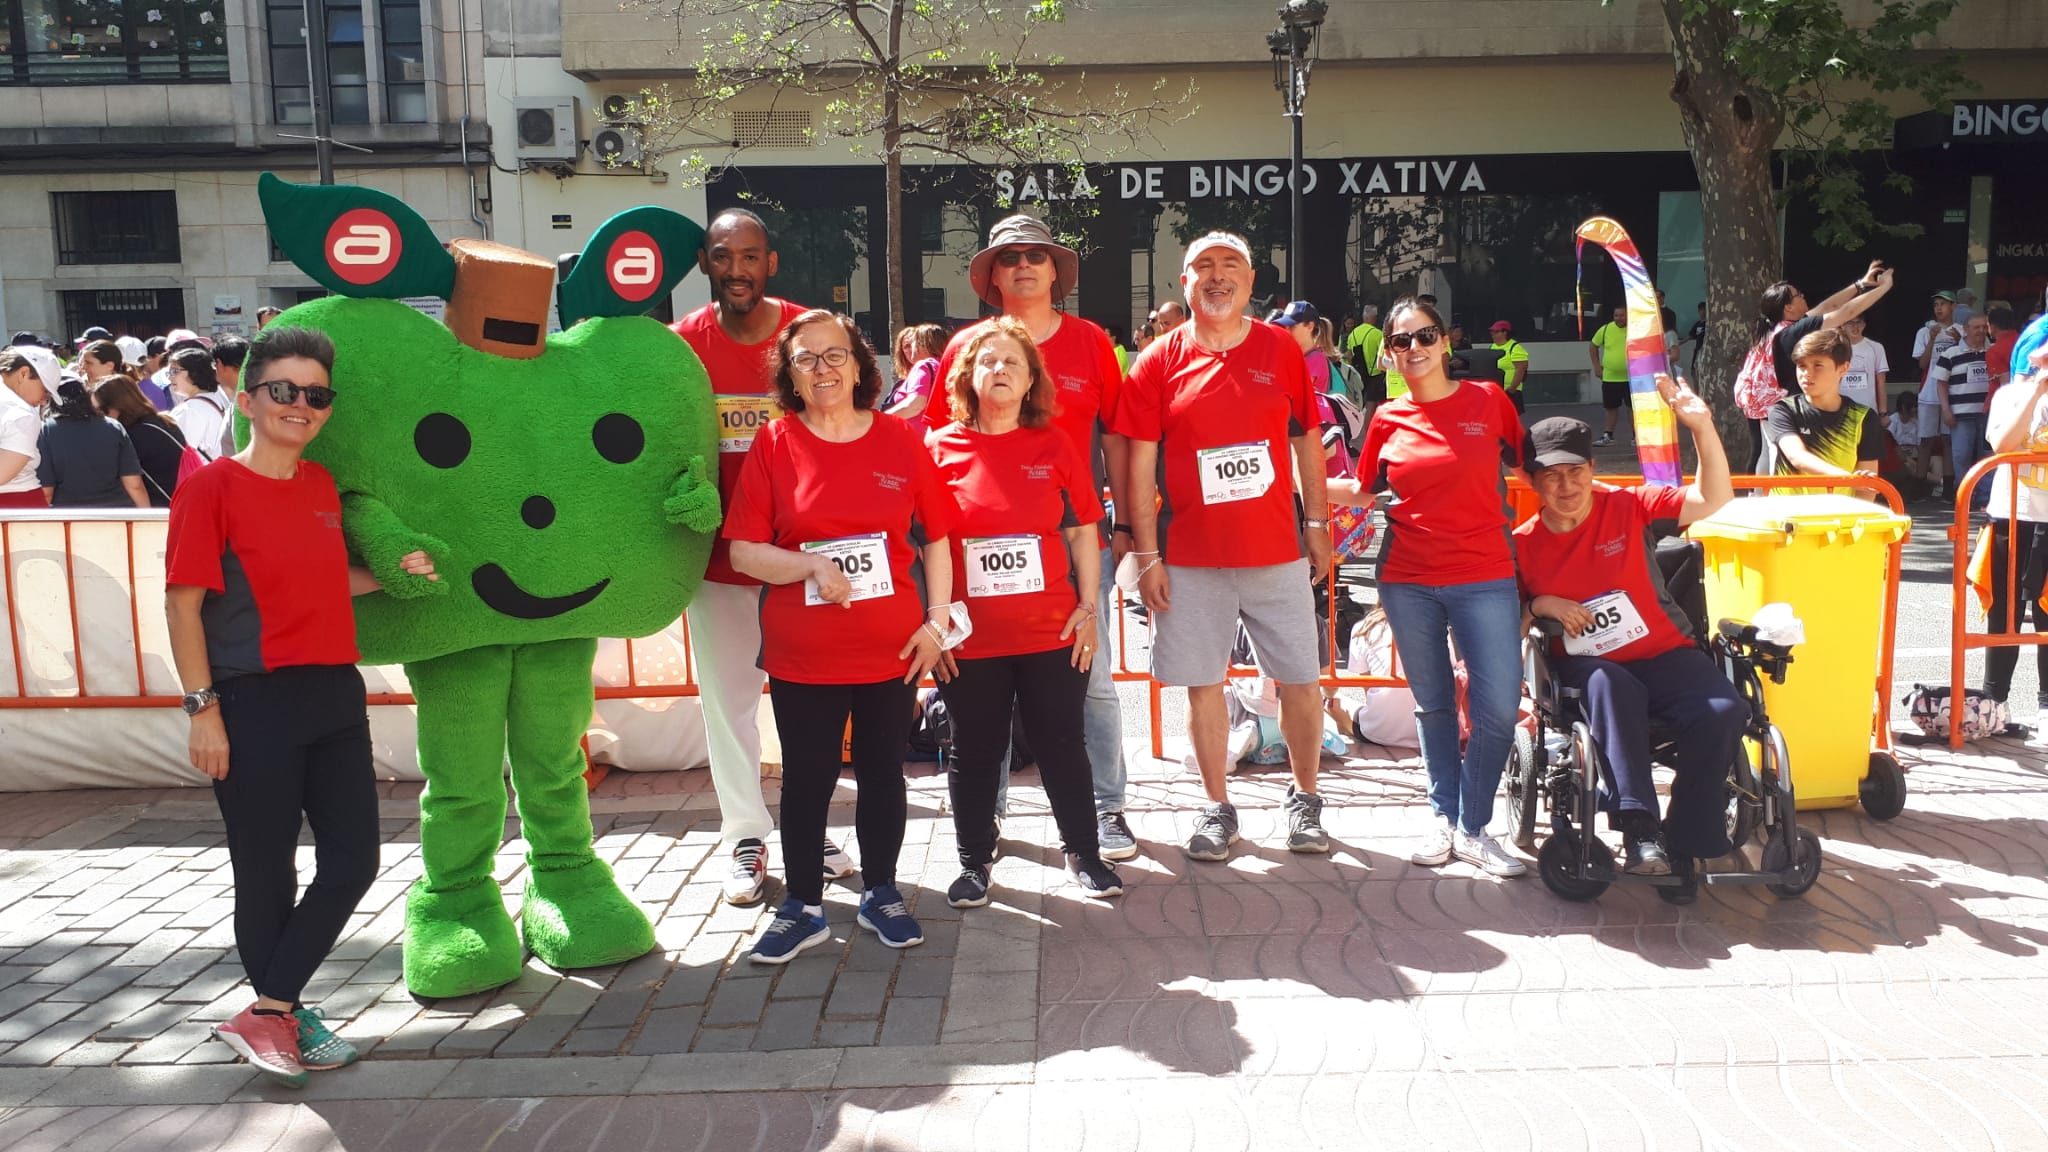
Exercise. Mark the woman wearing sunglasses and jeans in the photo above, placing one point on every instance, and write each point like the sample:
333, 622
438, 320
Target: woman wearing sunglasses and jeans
263, 634
1447, 572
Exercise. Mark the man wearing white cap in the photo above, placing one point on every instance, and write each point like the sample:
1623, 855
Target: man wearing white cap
1025, 272
1222, 410
29, 375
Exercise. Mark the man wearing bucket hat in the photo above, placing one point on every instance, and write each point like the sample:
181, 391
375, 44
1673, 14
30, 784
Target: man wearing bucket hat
1026, 273
1221, 410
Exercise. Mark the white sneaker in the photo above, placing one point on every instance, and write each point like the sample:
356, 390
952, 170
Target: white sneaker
838, 865
748, 880
1485, 852
1435, 849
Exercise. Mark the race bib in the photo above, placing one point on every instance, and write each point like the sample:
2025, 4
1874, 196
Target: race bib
1002, 565
1616, 624
1978, 374
1856, 385
1235, 472
863, 560
739, 418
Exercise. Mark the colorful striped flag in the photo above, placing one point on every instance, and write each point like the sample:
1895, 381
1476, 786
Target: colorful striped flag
1656, 427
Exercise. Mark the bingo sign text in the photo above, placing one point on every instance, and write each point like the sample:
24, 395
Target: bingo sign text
1238, 180
633, 265
363, 246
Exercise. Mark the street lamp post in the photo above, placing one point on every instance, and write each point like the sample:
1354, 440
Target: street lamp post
1294, 45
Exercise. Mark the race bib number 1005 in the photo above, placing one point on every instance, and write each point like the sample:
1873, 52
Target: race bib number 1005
1616, 624
1235, 472
1002, 565
739, 418
863, 560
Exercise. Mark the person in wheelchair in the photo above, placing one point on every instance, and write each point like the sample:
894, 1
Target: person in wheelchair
1586, 561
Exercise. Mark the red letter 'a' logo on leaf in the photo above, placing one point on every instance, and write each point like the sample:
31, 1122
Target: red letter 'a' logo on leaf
363, 246
633, 266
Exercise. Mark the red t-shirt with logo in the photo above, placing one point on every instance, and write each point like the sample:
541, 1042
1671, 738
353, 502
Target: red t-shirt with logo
1086, 382
1015, 492
796, 489
1224, 422
1611, 551
271, 557
744, 372
1442, 460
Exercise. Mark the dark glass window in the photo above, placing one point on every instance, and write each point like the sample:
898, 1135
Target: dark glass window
116, 227
139, 312
405, 62
112, 42
350, 47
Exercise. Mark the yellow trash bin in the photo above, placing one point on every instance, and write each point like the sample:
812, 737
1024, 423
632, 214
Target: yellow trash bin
1827, 556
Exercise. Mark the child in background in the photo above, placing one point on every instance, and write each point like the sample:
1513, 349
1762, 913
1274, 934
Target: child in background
1904, 430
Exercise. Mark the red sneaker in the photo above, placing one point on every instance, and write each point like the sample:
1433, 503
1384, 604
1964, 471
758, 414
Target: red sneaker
271, 1043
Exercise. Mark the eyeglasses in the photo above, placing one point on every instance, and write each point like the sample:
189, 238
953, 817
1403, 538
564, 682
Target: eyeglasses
1011, 257
808, 362
286, 392
1427, 337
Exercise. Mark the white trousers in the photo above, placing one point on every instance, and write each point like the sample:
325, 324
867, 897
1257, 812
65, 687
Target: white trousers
725, 642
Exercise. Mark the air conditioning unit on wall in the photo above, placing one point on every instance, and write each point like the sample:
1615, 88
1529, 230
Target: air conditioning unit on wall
544, 130
616, 146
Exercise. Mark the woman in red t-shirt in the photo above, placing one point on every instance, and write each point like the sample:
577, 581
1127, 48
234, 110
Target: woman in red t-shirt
264, 638
1447, 573
832, 506
1026, 553
917, 375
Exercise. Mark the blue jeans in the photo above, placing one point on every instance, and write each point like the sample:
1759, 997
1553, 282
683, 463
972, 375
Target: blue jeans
1966, 446
1102, 717
1486, 621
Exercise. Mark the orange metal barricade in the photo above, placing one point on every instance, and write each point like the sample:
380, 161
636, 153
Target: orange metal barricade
1961, 639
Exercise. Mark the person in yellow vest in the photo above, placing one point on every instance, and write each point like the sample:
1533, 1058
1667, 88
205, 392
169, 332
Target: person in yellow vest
1362, 346
1514, 361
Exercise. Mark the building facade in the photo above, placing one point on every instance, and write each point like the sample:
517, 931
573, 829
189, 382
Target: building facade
132, 135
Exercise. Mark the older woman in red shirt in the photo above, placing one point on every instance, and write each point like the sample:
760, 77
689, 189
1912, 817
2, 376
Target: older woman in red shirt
834, 503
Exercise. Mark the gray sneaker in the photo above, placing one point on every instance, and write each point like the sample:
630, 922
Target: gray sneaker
1215, 832
1113, 837
1305, 822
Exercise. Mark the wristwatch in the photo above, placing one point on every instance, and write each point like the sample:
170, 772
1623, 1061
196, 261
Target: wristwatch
197, 702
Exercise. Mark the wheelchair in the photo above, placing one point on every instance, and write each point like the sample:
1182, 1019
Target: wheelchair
1557, 767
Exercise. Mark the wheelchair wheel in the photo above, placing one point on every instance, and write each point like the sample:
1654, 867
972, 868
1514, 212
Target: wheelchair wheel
1525, 780
1883, 791
1779, 855
1745, 805
1557, 863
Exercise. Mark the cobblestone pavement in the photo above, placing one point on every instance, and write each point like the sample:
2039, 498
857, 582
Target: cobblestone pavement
1276, 1001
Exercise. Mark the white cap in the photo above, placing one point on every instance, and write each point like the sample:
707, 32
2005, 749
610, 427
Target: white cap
182, 335
133, 350
46, 364
1230, 240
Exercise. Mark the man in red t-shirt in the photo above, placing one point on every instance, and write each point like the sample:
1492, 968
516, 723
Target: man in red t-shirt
1586, 561
734, 336
1025, 273
1221, 409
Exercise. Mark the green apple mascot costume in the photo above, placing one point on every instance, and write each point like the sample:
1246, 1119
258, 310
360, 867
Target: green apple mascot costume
565, 487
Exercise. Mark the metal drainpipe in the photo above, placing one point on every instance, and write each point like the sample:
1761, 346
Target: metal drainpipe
462, 127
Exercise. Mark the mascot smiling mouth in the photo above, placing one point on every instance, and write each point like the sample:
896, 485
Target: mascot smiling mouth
500, 594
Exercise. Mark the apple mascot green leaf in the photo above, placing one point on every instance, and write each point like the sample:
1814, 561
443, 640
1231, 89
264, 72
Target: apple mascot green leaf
565, 487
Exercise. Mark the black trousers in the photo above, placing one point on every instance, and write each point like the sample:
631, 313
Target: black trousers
2029, 568
810, 719
1049, 694
298, 743
1756, 446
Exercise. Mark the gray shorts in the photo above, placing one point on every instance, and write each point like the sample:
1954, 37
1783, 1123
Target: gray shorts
1191, 644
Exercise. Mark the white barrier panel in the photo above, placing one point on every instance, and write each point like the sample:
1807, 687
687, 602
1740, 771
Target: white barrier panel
44, 748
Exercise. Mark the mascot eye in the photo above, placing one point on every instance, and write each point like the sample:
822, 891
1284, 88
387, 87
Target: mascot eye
619, 438
441, 440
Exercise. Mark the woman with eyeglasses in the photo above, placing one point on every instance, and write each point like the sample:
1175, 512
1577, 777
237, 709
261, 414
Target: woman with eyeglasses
263, 634
1028, 559
1447, 573
835, 506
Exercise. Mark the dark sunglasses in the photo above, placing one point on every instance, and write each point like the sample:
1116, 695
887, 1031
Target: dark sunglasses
286, 392
1427, 337
1011, 257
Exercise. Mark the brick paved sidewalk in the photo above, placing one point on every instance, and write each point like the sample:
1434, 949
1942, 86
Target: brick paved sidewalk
1277, 1001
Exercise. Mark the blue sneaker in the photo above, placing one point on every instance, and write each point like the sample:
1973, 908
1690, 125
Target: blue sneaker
792, 931
883, 912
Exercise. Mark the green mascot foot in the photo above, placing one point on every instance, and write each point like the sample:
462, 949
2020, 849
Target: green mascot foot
459, 943
578, 918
